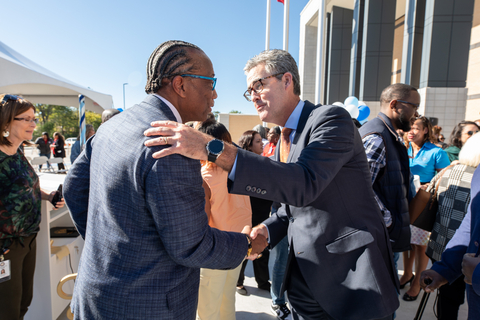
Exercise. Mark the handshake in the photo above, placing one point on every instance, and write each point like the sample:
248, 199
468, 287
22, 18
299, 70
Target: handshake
259, 236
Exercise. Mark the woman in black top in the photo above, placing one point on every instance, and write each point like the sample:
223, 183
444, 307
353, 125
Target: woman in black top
59, 148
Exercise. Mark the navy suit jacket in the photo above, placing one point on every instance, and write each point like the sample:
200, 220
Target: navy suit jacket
147, 233
334, 226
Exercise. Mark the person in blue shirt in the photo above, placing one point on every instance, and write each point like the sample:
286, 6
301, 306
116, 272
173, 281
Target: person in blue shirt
426, 159
76, 150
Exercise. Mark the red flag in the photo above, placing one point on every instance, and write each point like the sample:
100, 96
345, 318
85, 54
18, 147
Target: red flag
281, 1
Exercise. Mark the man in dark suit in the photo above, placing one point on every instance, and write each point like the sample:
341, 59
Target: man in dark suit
147, 233
340, 263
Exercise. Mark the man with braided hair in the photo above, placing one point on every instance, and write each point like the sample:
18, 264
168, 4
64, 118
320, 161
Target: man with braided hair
147, 233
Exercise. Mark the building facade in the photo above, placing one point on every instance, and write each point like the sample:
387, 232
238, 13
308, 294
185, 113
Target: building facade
359, 47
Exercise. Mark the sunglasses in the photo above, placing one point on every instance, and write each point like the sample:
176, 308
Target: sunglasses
9, 97
471, 133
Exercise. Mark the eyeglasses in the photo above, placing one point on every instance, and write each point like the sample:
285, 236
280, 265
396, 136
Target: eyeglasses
416, 106
201, 77
9, 97
27, 120
471, 133
257, 86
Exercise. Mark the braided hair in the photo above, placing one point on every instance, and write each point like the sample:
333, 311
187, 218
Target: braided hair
168, 60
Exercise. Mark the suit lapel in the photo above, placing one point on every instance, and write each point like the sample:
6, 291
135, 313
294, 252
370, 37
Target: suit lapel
307, 110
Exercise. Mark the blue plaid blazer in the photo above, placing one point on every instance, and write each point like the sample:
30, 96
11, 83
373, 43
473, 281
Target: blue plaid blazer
147, 233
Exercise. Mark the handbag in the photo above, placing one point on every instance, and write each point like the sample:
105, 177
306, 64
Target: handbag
423, 209
424, 206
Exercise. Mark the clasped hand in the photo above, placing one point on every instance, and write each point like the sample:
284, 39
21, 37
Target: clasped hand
259, 241
431, 280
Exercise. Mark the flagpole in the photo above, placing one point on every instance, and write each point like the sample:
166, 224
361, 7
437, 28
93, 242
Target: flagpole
286, 14
81, 111
267, 35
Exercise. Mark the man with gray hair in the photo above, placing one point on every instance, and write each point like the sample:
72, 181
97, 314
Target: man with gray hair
340, 265
389, 164
107, 114
147, 234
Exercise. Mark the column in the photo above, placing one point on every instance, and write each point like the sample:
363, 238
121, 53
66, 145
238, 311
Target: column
446, 43
377, 48
338, 55
412, 42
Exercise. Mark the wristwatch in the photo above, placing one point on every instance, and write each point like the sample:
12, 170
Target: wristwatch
214, 149
249, 251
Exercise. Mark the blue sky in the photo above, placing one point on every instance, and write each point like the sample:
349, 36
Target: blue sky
102, 44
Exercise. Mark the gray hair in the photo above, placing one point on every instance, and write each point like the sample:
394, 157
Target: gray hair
261, 130
276, 61
108, 114
396, 91
168, 60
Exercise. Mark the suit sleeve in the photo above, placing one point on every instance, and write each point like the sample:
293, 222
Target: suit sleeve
176, 199
76, 189
329, 146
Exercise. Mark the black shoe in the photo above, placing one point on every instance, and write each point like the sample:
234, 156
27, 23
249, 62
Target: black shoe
409, 281
281, 311
408, 297
265, 287
242, 291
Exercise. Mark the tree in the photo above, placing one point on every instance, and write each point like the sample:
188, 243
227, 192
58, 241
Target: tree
93, 118
62, 119
235, 111
44, 111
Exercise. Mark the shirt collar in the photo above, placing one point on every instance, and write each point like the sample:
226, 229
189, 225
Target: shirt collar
174, 110
292, 121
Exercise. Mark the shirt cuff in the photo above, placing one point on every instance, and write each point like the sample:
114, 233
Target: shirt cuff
231, 175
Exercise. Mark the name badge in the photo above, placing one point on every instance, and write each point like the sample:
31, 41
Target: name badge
5, 274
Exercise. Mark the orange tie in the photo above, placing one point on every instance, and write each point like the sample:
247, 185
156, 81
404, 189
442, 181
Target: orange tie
285, 144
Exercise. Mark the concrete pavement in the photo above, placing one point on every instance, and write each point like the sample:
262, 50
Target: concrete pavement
256, 306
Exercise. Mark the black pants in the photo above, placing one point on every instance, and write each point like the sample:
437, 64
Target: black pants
450, 297
260, 269
16, 294
304, 306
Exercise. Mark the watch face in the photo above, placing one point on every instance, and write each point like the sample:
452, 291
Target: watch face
215, 146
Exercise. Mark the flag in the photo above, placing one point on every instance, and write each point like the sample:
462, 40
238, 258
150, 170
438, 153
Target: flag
281, 1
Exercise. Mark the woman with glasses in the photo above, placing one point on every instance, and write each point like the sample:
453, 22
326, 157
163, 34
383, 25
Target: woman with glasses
438, 141
460, 134
227, 212
20, 207
59, 149
426, 159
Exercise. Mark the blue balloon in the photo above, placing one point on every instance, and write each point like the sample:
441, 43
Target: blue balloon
351, 100
363, 113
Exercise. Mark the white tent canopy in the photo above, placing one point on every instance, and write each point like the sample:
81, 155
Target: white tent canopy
21, 76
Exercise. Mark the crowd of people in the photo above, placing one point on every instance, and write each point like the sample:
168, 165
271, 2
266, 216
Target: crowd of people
168, 236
